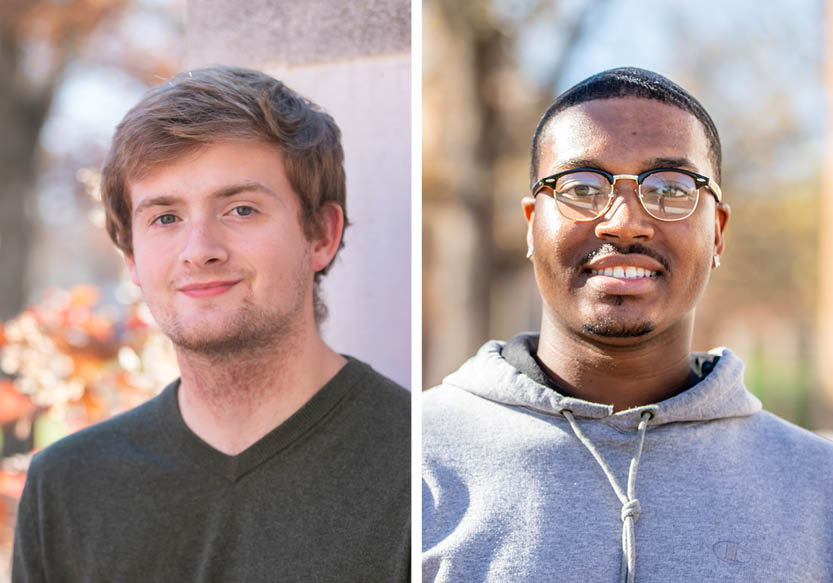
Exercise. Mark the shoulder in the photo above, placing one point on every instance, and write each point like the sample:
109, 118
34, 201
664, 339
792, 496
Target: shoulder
446, 402
483, 385
103, 442
786, 439
373, 388
780, 461
484, 395
792, 458
379, 402
370, 427
457, 423
377, 386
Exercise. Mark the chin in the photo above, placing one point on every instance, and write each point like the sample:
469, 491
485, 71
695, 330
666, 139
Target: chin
612, 328
225, 340
244, 331
225, 345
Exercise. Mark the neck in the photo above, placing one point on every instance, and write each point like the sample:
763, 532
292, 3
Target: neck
230, 401
641, 372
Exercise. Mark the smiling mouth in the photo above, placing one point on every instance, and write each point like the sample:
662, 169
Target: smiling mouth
624, 275
207, 289
625, 272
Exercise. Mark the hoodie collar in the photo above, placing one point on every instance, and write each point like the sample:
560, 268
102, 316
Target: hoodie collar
719, 395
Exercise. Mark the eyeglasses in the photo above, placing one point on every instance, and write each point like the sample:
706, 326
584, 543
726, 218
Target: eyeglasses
667, 194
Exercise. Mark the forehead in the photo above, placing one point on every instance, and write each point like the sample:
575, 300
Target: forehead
203, 172
623, 135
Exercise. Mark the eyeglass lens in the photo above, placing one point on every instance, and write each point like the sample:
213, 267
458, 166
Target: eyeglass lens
666, 195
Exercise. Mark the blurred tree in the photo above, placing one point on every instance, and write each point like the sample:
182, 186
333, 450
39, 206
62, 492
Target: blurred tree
458, 178
37, 40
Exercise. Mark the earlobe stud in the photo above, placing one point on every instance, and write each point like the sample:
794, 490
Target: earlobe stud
715, 261
529, 251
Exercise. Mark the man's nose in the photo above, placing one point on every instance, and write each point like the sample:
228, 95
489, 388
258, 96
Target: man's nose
625, 219
204, 244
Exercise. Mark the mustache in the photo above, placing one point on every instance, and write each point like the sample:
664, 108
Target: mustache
611, 248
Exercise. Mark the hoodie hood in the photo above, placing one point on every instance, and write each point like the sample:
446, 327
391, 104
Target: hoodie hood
720, 394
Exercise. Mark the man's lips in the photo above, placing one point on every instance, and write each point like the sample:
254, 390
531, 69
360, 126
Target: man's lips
609, 253
619, 260
207, 288
623, 274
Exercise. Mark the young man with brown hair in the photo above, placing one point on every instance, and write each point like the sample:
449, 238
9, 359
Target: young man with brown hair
273, 458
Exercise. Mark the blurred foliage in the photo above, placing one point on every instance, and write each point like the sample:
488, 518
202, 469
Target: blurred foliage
771, 260
783, 385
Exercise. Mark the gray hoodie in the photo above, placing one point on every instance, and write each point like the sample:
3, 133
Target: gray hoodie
720, 491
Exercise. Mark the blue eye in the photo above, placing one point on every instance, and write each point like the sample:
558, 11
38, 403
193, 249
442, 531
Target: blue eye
166, 219
243, 211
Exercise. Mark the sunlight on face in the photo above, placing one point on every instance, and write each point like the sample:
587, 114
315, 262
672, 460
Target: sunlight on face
625, 274
219, 251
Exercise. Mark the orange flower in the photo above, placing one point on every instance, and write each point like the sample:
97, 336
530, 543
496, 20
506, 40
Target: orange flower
13, 404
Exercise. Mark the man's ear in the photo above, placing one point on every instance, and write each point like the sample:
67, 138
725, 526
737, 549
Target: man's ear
131, 267
328, 236
528, 205
722, 212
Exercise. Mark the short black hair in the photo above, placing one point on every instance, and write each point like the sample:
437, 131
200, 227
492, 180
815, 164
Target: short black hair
628, 82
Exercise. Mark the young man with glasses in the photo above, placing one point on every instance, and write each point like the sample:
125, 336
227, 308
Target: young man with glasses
555, 456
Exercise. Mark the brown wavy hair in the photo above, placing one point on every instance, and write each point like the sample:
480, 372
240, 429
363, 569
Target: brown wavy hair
203, 106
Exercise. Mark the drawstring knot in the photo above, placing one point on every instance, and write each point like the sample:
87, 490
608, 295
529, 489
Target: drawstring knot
631, 509
630, 505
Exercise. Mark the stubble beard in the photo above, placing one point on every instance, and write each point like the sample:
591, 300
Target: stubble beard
614, 327
250, 330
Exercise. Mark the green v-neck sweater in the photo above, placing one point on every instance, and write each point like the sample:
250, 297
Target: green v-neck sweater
323, 497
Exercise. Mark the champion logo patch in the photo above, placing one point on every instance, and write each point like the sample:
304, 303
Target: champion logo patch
730, 552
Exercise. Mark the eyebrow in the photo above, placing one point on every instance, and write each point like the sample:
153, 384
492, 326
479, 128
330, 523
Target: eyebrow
224, 192
670, 163
660, 162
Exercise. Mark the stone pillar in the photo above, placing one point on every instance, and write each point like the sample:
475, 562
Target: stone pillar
352, 59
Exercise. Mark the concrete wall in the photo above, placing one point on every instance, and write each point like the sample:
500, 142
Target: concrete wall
353, 59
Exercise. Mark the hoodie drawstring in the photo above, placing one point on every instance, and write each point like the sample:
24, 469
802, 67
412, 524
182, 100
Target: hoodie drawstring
630, 505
